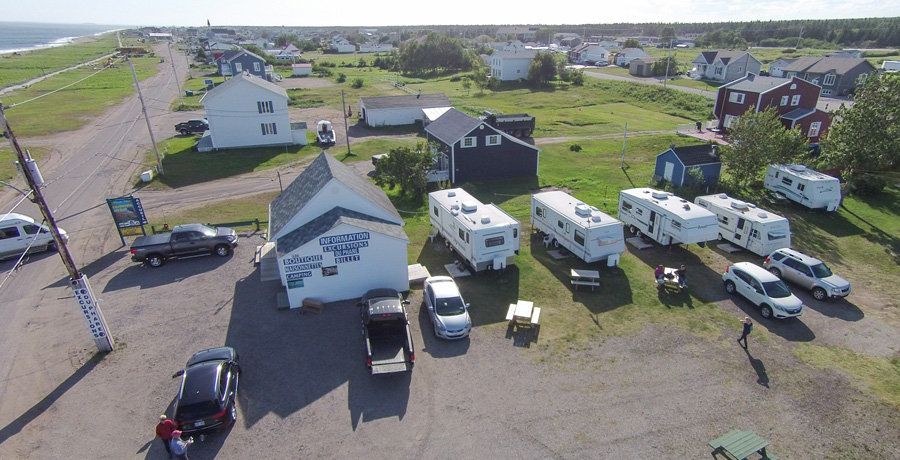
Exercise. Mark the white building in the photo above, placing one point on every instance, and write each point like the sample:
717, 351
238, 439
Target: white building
399, 110
511, 65
301, 68
341, 45
247, 111
336, 235
376, 48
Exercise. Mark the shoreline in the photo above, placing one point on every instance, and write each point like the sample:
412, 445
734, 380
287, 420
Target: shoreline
59, 42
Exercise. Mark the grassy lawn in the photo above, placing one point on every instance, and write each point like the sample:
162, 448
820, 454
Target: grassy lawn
15, 69
710, 86
611, 70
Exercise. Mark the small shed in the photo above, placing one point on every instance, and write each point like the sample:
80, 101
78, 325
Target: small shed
399, 110
674, 165
301, 68
641, 67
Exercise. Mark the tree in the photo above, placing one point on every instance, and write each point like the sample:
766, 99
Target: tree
865, 137
666, 36
480, 79
632, 43
542, 69
407, 168
758, 139
659, 67
467, 85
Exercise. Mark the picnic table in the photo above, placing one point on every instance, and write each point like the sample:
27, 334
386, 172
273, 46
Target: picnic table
671, 279
523, 313
585, 278
739, 445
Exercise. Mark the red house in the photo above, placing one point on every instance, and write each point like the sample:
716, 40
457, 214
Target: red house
794, 98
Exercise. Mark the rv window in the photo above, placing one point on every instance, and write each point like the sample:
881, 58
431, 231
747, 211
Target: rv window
579, 238
801, 187
786, 181
740, 224
626, 205
495, 241
539, 212
676, 224
515, 233
777, 236
559, 224
436, 212
723, 220
754, 234
567, 228
640, 212
462, 234
8, 232
467, 237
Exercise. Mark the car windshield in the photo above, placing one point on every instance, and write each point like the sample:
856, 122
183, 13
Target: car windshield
777, 289
208, 231
821, 270
449, 306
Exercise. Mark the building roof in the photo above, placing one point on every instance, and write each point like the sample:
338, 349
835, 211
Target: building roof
517, 54
817, 64
757, 84
302, 190
331, 219
637, 51
694, 155
797, 114
452, 125
394, 102
242, 78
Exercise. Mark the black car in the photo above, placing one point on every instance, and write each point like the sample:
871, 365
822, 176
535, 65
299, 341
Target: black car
197, 125
206, 399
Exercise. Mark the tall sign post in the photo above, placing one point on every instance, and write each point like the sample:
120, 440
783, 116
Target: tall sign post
77, 280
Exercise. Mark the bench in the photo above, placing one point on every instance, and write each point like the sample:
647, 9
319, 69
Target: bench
535, 316
592, 284
510, 314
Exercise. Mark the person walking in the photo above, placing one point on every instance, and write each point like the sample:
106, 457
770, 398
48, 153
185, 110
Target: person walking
179, 446
748, 327
164, 430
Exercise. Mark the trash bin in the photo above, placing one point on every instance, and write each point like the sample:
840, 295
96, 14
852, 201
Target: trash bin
188, 92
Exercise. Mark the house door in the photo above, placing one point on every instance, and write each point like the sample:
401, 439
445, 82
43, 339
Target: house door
670, 168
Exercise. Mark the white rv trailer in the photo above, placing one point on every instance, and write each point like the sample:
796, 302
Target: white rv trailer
747, 226
805, 186
666, 218
482, 234
584, 230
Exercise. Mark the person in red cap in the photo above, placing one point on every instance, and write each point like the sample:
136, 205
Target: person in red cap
164, 430
179, 446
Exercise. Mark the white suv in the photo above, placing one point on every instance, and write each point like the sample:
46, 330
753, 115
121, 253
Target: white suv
808, 272
762, 288
448, 312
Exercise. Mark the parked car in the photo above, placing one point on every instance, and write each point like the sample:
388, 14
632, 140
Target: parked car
208, 392
19, 233
186, 240
807, 272
197, 125
385, 328
763, 289
448, 312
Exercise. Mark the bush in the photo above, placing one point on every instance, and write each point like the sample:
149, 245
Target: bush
455, 78
866, 185
341, 77
357, 83
575, 148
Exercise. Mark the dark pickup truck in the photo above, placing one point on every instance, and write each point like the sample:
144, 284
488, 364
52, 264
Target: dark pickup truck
514, 124
389, 345
197, 125
184, 241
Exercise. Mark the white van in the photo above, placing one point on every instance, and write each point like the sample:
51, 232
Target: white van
18, 232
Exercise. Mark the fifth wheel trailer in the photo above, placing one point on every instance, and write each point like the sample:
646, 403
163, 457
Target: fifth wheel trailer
747, 226
666, 218
805, 186
482, 234
584, 230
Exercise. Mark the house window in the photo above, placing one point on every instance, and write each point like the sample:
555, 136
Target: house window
719, 71
469, 142
238, 68
264, 107
256, 67
493, 139
829, 79
795, 100
579, 238
814, 128
826, 92
862, 78
268, 128
737, 98
784, 100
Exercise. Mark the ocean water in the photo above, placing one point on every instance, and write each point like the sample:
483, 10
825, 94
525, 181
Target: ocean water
23, 36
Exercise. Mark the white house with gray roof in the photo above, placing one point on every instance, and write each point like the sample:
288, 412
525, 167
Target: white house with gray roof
336, 235
724, 66
511, 65
399, 110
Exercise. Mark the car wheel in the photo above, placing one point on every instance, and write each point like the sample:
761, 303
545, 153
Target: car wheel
154, 260
765, 311
633, 230
775, 272
222, 250
719, 237
819, 293
730, 287
184, 132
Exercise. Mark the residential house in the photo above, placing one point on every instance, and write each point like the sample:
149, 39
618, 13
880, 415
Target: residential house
236, 62
511, 65
622, 58
301, 68
836, 76
890, 66
642, 67
724, 66
589, 54
794, 99
336, 235
610, 45
776, 67
289, 53
248, 111
526, 34
568, 39
675, 165
477, 152
511, 45
399, 110
375, 47
341, 45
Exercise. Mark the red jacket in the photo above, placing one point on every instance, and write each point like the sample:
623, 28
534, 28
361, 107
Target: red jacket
165, 428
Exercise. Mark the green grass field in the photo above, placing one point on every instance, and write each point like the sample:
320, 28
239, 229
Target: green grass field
16, 69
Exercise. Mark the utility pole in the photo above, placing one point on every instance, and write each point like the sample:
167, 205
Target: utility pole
346, 129
668, 60
159, 166
175, 73
77, 280
624, 139
800, 38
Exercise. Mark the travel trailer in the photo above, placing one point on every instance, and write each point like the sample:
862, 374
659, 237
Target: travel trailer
485, 236
745, 225
19, 232
666, 218
805, 186
584, 230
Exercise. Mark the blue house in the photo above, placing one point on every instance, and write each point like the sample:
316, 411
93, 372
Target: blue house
674, 164
235, 62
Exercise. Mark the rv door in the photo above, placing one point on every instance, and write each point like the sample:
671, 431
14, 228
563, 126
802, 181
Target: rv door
651, 223
740, 232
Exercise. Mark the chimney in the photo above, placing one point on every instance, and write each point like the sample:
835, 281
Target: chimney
672, 146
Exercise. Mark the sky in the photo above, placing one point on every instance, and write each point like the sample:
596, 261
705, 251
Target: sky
372, 13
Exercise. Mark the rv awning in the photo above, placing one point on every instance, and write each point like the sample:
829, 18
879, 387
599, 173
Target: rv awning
778, 235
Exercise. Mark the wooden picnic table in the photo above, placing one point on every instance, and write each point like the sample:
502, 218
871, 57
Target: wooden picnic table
523, 313
671, 279
739, 445
585, 278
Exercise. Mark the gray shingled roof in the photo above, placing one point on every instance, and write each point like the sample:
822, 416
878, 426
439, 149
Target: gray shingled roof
331, 219
724, 55
323, 169
524, 54
452, 125
757, 84
694, 155
817, 64
797, 114
392, 102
